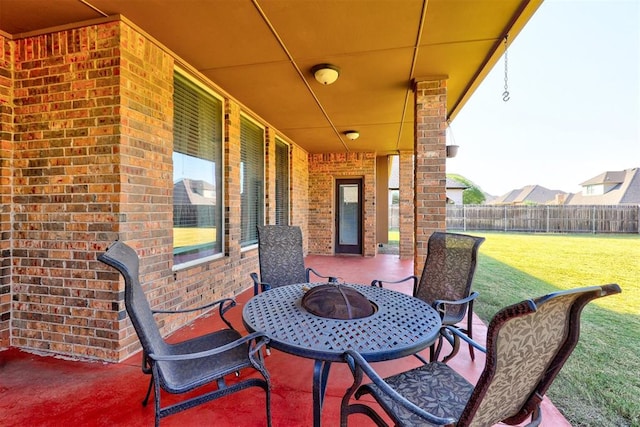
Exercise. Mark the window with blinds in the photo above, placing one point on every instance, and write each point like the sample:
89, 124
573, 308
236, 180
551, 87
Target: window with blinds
197, 172
251, 180
282, 183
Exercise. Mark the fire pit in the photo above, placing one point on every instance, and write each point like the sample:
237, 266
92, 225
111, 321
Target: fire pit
336, 301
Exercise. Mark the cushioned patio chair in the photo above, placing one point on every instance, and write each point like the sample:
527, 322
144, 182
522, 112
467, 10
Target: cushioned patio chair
281, 258
187, 365
527, 345
445, 284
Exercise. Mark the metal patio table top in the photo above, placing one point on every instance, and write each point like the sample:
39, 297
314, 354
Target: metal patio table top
402, 325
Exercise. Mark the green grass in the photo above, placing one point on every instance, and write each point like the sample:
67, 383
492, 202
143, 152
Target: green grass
600, 383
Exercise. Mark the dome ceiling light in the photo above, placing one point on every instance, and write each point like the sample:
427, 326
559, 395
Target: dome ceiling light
352, 134
325, 74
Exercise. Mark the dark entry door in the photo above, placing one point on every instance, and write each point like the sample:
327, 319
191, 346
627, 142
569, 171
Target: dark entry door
349, 216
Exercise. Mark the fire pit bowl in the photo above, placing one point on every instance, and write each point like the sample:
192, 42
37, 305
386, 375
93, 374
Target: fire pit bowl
335, 301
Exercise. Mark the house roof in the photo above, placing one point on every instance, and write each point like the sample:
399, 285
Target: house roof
609, 177
260, 52
528, 194
620, 188
453, 184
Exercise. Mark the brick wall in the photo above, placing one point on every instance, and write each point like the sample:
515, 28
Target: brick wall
407, 214
6, 129
324, 169
430, 164
300, 191
86, 159
66, 101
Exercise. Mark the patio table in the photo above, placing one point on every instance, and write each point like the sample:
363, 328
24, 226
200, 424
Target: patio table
402, 325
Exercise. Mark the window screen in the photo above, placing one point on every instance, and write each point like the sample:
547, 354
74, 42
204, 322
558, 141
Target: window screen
282, 183
251, 180
197, 172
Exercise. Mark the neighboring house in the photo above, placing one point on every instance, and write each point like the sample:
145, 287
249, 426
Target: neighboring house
454, 191
609, 188
193, 203
531, 194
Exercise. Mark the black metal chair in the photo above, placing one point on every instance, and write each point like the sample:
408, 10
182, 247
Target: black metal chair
527, 345
281, 258
185, 366
445, 284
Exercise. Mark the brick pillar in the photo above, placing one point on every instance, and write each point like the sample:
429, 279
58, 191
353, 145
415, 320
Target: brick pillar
430, 164
299, 179
93, 119
406, 216
6, 164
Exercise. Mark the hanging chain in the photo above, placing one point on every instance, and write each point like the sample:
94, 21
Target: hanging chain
505, 94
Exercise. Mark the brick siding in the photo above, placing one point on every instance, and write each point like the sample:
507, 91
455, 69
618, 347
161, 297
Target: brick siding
86, 118
324, 169
6, 131
92, 162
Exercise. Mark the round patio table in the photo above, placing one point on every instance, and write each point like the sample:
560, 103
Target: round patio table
402, 325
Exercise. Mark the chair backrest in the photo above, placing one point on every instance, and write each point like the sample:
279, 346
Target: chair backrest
527, 345
124, 259
448, 270
281, 255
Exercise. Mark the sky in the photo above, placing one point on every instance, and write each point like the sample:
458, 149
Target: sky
574, 107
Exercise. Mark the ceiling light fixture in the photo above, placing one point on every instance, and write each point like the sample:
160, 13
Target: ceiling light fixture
352, 134
325, 73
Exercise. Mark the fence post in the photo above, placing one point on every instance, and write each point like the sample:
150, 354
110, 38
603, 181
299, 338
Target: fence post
547, 209
505, 218
593, 220
464, 218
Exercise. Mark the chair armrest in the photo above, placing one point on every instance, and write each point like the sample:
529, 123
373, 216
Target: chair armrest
380, 283
309, 270
258, 286
357, 362
225, 304
464, 337
259, 337
439, 303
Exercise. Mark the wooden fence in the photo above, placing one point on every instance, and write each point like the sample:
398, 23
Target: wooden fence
545, 219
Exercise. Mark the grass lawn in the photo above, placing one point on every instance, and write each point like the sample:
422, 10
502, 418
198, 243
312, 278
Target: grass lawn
600, 383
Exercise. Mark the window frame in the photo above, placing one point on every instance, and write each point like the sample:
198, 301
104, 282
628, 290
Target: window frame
219, 187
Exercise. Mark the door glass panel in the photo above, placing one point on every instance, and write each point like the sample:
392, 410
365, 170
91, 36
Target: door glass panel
348, 214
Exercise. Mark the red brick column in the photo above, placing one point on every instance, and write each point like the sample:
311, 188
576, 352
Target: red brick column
430, 164
299, 199
6, 164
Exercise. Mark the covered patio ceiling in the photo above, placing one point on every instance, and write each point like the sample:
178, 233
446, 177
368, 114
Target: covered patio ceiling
261, 53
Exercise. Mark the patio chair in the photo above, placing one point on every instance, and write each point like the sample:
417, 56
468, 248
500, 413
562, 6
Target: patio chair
445, 284
527, 345
281, 258
181, 367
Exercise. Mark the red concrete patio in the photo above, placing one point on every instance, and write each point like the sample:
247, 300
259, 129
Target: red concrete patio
41, 390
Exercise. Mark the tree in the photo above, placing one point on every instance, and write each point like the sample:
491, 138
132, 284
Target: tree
472, 195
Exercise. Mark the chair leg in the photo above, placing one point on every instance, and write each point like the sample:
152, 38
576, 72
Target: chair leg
146, 398
469, 330
470, 334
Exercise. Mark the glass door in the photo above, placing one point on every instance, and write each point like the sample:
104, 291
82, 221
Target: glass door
348, 216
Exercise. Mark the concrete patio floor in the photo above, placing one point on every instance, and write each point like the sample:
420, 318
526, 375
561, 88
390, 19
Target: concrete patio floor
41, 390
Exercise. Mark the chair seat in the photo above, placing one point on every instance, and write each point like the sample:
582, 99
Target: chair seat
182, 376
435, 387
